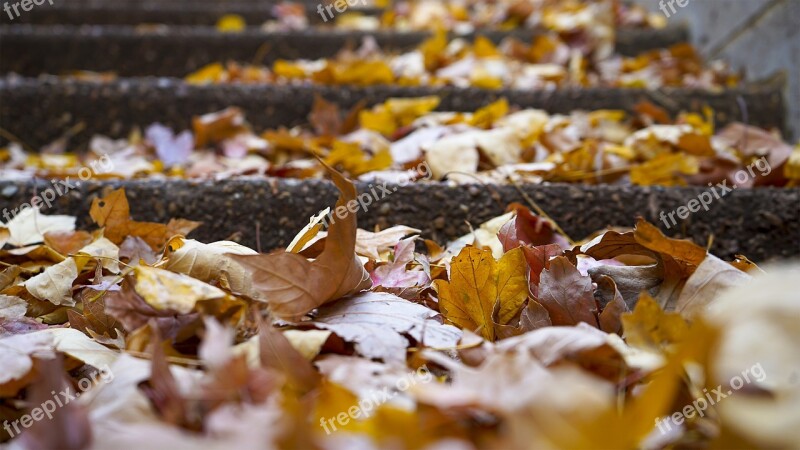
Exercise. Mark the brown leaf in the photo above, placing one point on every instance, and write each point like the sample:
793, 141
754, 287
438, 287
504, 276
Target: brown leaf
67, 427
533, 317
566, 294
294, 286
325, 117
276, 352
613, 306
67, 242
112, 212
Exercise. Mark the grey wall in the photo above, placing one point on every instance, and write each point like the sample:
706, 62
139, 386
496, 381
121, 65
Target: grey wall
762, 36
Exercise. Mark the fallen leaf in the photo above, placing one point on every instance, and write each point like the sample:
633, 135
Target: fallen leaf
12, 307
29, 226
163, 289
55, 283
377, 322
566, 294
707, 283
293, 286
210, 263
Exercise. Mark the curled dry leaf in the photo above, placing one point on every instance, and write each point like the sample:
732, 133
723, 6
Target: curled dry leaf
55, 283
209, 263
30, 225
293, 286
12, 307
163, 289
377, 322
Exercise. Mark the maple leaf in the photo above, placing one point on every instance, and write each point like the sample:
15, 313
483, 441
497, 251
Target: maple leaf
479, 285
293, 286
112, 212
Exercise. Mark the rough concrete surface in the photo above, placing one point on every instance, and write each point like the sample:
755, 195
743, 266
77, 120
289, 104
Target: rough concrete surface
762, 223
41, 110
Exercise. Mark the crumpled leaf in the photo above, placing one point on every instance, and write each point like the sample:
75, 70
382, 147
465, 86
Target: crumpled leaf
293, 286
163, 289
12, 307
372, 244
55, 283
709, 280
395, 274
210, 263
30, 225
377, 321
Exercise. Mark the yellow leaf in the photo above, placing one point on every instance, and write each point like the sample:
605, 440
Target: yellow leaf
378, 119
483, 80
478, 285
433, 49
288, 69
484, 48
163, 289
353, 159
207, 74
308, 232
512, 285
209, 263
650, 328
486, 116
407, 110
664, 170
396, 112
469, 298
363, 73
231, 23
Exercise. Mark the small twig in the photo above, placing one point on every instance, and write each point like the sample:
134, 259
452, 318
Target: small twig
539, 210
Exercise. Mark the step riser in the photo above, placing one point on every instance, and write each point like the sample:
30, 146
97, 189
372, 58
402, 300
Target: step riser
761, 223
113, 109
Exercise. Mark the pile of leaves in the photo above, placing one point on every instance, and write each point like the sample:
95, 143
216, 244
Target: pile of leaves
529, 340
568, 18
548, 62
403, 140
